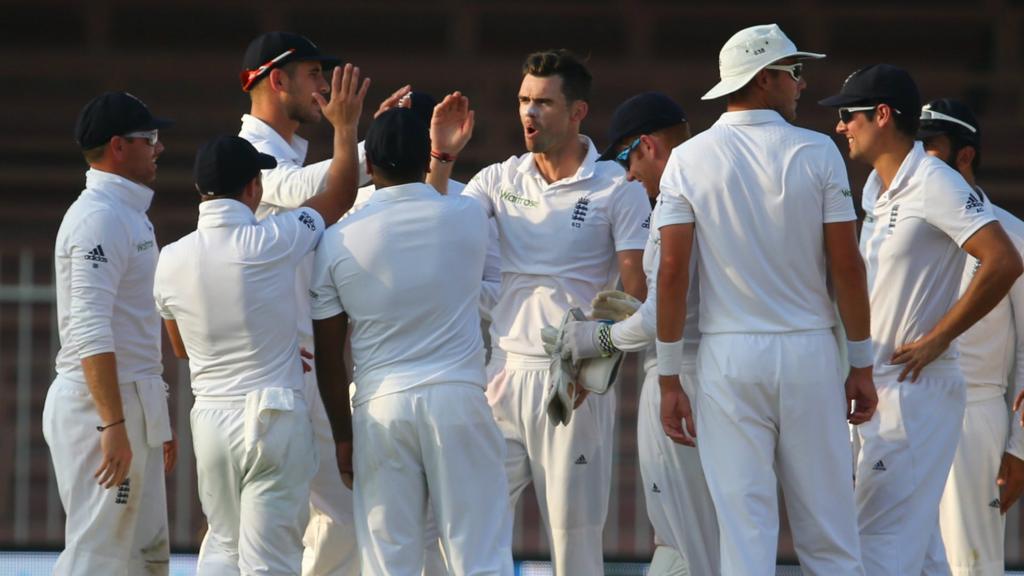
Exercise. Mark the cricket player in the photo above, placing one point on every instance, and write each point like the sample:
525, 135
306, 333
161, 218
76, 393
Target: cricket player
567, 226
644, 130
924, 212
771, 210
226, 294
281, 73
421, 429
987, 475
105, 418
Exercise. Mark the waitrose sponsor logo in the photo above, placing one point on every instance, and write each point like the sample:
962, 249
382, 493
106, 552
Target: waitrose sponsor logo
508, 196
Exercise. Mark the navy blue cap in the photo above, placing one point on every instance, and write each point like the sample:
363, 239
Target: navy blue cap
398, 140
226, 164
114, 114
878, 84
275, 49
950, 117
642, 114
423, 105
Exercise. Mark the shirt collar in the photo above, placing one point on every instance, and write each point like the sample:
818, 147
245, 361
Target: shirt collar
258, 131
745, 117
404, 192
907, 168
134, 195
586, 169
224, 212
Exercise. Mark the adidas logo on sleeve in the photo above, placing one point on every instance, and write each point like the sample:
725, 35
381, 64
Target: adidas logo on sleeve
96, 255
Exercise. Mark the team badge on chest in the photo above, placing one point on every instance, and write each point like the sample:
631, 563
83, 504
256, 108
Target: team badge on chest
579, 212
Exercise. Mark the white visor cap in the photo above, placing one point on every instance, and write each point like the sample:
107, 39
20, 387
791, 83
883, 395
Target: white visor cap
747, 52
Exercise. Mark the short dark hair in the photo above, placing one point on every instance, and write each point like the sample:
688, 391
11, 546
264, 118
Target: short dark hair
956, 144
576, 79
907, 121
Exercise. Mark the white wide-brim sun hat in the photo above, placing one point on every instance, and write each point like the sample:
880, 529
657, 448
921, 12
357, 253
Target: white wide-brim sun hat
747, 52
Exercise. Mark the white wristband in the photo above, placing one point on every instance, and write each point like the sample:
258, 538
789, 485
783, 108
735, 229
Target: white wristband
670, 357
860, 353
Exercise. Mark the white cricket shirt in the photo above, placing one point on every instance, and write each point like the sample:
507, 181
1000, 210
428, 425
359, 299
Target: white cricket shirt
558, 241
759, 190
920, 223
286, 187
104, 257
639, 331
230, 285
406, 267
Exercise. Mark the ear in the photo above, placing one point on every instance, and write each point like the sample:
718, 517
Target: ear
277, 80
884, 115
965, 157
252, 190
578, 110
115, 148
762, 79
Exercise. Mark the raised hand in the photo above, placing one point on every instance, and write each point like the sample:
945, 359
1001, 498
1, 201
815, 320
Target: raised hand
451, 126
395, 100
347, 96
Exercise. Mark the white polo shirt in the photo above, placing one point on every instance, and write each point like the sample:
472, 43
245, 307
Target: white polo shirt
759, 190
558, 241
406, 267
286, 187
639, 331
230, 287
920, 223
104, 258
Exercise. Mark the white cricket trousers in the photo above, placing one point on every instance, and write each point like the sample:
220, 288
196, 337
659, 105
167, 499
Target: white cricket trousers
435, 444
121, 531
973, 530
905, 457
570, 466
255, 457
678, 502
772, 413
330, 539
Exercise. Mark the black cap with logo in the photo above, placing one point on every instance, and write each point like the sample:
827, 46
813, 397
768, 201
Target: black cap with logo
275, 49
878, 84
952, 118
114, 114
642, 114
226, 164
398, 140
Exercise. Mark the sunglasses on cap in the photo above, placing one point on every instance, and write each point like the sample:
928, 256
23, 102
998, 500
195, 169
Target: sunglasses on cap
623, 157
928, 114
151, 136
796, 71
249, 77
846, 114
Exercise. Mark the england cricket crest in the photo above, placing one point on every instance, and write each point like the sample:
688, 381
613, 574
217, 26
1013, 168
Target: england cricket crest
579, 212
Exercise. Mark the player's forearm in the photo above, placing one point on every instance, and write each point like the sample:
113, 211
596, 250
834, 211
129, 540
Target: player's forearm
849, 280
101, 377
440, 173
673, 280
343, 177
631, 269
331, 375
994, 278
636, 332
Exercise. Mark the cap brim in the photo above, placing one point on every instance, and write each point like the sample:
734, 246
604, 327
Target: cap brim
156, 124
266, 161
730, 85
840, 100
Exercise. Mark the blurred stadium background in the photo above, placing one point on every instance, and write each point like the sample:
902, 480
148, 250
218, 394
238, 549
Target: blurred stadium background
183, 59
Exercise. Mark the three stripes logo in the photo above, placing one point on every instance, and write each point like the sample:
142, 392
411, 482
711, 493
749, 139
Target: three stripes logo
581, 460
96, 256
995, 503
654, 488
975, 202
308, 221
879, 466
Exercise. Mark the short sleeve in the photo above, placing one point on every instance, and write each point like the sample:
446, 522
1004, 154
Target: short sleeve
675, 207
631, 217
302, 228
481, 186
837, 203
325, 301
952, 206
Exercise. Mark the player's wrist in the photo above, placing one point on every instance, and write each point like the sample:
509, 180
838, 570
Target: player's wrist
104, 427
670, 357
443, 156
860, 353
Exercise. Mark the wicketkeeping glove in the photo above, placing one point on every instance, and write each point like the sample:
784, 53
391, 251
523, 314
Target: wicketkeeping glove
587, 339
614, 305
561, 392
